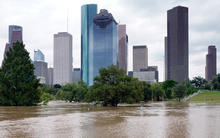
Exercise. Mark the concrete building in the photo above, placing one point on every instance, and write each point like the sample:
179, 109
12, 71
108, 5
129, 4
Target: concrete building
15, 34
149, 74
38, 55
103, 50
140, 57
176, 45
210, 68
41, 71
88, 12
76, 75
122, 47
62, 58
50, 76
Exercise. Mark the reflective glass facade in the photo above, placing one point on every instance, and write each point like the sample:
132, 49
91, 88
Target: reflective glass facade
103, 48
11, 29
88, 12
38, 56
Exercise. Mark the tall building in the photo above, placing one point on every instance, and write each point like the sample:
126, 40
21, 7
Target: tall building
38, 55
140, 57
88, 12
15, 34
50, 76
149, 74
103, 48
13, 28
41, 71
76, 75
176, 45
122, 47
210, 69
62, 58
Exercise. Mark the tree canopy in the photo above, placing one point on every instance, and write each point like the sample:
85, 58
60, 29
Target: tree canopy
19, 85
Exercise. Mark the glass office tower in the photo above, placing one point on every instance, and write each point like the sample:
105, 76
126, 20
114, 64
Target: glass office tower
38, 55
11, 29
88, 12
103, 48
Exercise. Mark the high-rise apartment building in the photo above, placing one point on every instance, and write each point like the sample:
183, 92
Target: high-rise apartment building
88, 12
103, 48
15, 34
38, 55
140, 57
62, 58
176, 45
210, 68
122, 47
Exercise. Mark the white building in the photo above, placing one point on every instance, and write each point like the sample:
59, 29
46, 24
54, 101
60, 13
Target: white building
62, 58
149, 74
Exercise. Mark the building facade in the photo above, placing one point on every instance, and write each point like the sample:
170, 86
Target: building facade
103, 48
50, 76
15, 34
41, 71
88, 12
149, 75
176, 45
38, 56
76, 75
140, 57
122, 47
210, 68
62, 58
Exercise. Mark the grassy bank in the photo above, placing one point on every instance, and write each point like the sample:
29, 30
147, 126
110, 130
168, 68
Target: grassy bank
206, 97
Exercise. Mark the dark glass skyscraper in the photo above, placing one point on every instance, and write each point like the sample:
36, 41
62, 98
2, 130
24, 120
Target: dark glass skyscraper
210, 68
88, 12
176, 45
103, 39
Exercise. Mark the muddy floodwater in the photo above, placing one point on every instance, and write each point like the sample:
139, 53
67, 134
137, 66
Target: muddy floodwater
155, 120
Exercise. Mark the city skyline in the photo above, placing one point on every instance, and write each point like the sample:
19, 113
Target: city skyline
142, 29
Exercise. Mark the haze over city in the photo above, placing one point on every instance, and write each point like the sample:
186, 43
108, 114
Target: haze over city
146, 25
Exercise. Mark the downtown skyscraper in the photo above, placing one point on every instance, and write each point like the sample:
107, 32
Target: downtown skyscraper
103, 48
176, 45
88, 12
140, 57
14, 35
38, 55
62, 58
122, 47
210, 68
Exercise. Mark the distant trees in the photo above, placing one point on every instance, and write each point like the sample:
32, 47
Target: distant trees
113, 86
180, 90
18, 84
215, 83
168, 86
199, 82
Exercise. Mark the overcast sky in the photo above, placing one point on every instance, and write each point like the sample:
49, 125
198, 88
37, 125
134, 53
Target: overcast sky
145, 20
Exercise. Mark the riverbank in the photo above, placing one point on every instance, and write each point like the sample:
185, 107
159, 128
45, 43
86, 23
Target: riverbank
206, 97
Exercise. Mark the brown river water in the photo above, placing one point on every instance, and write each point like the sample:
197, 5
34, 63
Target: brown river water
155, 120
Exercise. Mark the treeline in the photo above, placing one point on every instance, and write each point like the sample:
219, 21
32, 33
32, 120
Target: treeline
113, 86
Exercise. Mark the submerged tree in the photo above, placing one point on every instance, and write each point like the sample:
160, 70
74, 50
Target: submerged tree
180, 90
18, 84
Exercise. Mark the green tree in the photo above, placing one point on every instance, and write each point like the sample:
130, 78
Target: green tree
215, 83
113, 86
198, 82
168, 86
147, 92
81, 91
19, 85
180, 90
157, 91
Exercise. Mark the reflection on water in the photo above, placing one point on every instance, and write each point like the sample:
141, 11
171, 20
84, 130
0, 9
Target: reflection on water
58, 119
